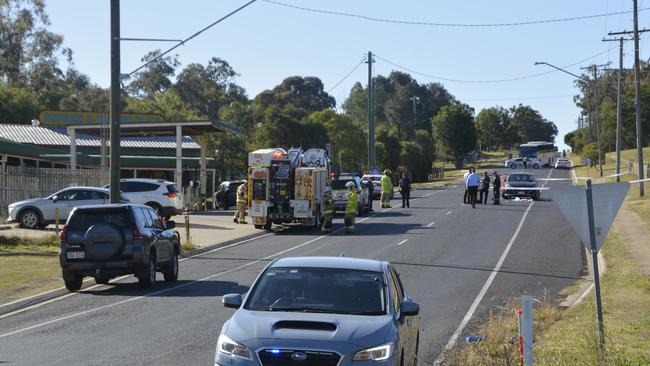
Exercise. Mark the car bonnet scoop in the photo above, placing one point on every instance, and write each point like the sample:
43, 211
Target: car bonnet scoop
304, 325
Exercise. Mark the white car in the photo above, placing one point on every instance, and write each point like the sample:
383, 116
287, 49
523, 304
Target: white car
518, 163
340, 193
40, 212
161, 195
562, 163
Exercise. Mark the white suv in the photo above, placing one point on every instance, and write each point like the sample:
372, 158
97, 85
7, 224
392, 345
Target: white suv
161, 195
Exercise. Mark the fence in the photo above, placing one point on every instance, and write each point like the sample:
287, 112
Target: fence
19, 183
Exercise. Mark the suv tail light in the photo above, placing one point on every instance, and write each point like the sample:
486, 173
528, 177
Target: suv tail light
170, 195
64, 233
135, 233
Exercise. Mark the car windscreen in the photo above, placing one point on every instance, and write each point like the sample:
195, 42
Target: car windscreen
340, 183
84, 219
521, 178
319, 290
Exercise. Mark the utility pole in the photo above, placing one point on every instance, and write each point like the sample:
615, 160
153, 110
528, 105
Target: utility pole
115, 102
371, 115
415, 100
588, 96
637, 95
619, 107
594, 68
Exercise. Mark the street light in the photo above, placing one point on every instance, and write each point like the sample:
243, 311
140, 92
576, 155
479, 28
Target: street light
600, 160
415, 100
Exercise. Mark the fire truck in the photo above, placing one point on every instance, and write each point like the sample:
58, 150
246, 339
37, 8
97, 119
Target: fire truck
287, 186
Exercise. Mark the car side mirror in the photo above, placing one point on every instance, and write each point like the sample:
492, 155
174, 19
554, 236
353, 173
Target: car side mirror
233, 301
170, 225
409, 308
55, 198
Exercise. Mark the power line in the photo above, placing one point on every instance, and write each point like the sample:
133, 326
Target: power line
436, 24
191, 37
518, 98
486, 81
346, 75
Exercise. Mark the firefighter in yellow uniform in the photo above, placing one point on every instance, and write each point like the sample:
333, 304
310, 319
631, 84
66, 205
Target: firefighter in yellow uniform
328, 204
242, 199
386, 189
351, 207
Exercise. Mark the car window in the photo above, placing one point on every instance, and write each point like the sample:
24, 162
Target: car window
395, 292
155, 219
69, 195
147, 221
84, 219
320, 290
520, 178
96, 195
130, 187
340, 183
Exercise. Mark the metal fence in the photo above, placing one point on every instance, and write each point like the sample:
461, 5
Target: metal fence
19, 183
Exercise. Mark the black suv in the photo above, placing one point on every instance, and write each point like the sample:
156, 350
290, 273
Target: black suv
226, 194
106, 241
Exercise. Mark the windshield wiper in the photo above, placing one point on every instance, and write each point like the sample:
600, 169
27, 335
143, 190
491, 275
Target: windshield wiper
306, 309
370, 312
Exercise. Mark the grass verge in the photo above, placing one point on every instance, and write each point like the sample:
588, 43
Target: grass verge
570, 337
28, 266
490, 160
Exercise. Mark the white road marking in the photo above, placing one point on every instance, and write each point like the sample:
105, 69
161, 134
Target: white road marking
448, 213
402, 242
486, 286
431, 223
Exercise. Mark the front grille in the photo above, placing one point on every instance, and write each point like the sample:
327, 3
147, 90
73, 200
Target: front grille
288, 357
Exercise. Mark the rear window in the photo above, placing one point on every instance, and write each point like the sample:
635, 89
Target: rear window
84, 219
521, 178
172, 188
137, 187
340, 184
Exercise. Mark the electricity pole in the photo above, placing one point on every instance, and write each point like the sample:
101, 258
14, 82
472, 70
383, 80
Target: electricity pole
371, 115
115, 103
415, 100
594, 68
619, 107
637, 95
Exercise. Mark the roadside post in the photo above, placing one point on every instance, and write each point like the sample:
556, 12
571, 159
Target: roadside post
602, 203
187, 227
56, 220
526, 327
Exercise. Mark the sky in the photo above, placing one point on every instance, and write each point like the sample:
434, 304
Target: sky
266, 43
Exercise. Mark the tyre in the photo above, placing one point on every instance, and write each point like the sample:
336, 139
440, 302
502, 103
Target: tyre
30, 219
73, 283
259, 227
147, 277
102, 280
267, 226
171, 270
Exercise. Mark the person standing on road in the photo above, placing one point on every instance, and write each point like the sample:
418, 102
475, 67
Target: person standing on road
328, 205
473, 181
386, 189
405, 190
351, 207
465, 197
496, 187
485, 189
371, 194
242, 199
525, 160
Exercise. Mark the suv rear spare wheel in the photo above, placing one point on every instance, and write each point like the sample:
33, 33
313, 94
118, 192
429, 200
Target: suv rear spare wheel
102, 241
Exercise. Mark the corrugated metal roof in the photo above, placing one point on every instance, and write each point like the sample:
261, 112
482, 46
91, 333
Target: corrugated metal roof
58, 136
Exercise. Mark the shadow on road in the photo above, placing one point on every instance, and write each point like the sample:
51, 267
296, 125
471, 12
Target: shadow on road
205, 226
180, 288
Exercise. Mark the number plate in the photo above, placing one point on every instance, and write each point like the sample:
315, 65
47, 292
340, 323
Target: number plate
75, 255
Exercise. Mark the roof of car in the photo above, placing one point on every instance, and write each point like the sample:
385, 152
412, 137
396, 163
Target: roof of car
87, 187
331, 262
111, 205
146, 180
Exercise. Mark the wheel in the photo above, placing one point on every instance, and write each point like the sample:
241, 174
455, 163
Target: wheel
513, 166
73, 283
504, 196
102, 280
268, 225
30, 219
259, 227
156, 207
535, 166
171, 270
147, 277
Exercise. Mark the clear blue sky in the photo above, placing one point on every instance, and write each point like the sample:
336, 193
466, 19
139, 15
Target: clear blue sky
266, 43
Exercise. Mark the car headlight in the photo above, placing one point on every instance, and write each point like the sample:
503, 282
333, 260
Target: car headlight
379, 353
227, 346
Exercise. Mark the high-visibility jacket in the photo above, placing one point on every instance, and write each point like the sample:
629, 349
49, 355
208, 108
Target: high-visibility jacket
241, 194
386, 184
351, 207
328, 203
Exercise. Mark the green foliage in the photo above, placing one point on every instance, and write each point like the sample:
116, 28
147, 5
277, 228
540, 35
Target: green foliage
530, 125
454, 131
155, 78
18, 105
391, 154
494, 129
347, 139
591, 151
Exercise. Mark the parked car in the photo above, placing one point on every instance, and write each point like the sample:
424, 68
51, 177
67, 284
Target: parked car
226, 194
376, 182
324, 311
105, 241
562, 163
340, 193
518, 163
161, 195
521, 184
40, 212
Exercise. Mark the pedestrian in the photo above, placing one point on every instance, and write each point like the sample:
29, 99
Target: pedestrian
328, 204
467, 173
386, 189
242, 199
496, 187
371, 194
525, 160
473, 181
351, 207
405, 190
485, 189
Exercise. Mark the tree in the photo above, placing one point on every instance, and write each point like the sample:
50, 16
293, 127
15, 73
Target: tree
454, 130
156, 77
531, 126
305, 93
347, 139
493, 128
391, 154
18, 105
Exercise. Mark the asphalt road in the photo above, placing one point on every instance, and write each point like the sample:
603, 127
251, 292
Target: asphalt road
457, 262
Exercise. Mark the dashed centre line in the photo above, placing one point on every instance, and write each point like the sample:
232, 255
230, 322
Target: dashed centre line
402, 242
431, 223
448, 213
